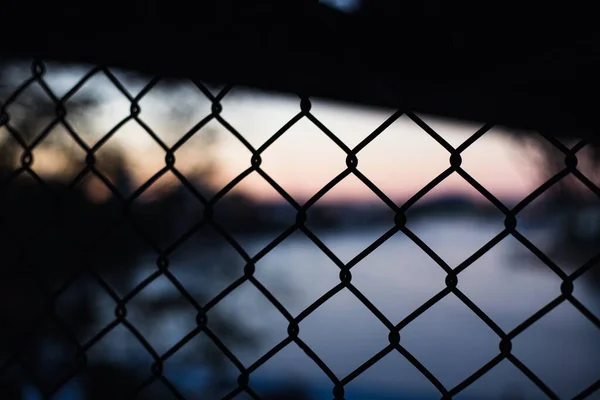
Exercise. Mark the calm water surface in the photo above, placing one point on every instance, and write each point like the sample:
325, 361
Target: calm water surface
562, 348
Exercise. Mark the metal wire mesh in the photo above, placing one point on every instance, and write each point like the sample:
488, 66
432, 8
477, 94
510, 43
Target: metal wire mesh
203, 324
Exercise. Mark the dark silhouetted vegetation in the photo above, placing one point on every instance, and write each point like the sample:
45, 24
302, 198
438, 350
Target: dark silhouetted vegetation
572, 202
57, 233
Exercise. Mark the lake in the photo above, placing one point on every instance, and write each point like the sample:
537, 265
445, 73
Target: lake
507, 283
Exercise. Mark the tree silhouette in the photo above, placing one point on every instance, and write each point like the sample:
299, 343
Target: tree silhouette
573, 243
54, 235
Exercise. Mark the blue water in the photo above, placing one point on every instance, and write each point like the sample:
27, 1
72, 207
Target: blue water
508, 284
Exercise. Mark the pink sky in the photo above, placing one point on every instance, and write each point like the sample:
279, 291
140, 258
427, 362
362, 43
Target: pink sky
400, 161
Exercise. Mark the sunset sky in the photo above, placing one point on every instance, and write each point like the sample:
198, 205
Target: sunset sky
400, 161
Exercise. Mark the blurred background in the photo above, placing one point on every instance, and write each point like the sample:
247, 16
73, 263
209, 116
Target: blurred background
102, 218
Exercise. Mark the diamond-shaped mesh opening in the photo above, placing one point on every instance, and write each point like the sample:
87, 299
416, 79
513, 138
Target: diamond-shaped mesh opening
90, 204
504, 172
285, 160
172, 109
509, 298
200, 161
161, 314
560, 349
167, 212
58, 157
258, 324
381, 277
362, 223
207, 263
76, 304
339, 324
31, 113
441, 216
118, 356
450, 341
127, 173
96, 108
543, 256
391, 159
242, 217
278, 272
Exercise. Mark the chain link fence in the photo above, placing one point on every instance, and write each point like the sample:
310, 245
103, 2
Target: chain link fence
203, 323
